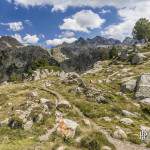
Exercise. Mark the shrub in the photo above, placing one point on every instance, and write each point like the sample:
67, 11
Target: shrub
95, 141
113, 52
39, 63
15, 122
15, 77
145, 109
134, 138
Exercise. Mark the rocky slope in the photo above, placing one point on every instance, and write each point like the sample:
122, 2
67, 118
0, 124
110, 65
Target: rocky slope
16, 59
102, 109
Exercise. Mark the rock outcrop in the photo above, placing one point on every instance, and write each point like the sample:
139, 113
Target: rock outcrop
138, 58
67, 128
143, 87
16, 59
83, 54
128, 86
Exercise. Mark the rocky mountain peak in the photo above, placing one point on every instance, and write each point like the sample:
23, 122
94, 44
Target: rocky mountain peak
8, 41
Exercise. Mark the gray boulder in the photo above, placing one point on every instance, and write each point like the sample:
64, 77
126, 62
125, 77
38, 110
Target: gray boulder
143, 87
146, 101
124, 55
128, 86
67, 128
138, 58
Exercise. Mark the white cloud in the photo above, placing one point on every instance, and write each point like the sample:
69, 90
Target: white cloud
31, 39
129, 15
129, 10
59, 41
81, 22
67, 34
64, 4
14, 26
28, 39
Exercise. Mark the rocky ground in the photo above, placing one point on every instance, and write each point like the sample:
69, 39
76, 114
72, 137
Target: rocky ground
104, 108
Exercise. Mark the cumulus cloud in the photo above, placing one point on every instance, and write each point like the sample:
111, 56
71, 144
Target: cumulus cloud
58, 41
81, 22
28, 39
129, 10
64, 4
31, 39
67, 34
14, 26
129, 15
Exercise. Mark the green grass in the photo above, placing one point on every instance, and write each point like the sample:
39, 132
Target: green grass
95, 141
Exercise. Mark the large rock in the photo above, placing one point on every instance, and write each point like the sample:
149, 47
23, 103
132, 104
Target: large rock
145, 101
143, 87
67, 128
128, 86
138, 58
124, 55
119, 134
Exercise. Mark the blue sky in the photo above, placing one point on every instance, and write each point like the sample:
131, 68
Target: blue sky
52, 22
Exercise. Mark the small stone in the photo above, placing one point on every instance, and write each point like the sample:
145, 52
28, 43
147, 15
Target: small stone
61, 148
4, 83
126, 121
87, 122
127, 113
63, 104
44, 100
32, 95
106, 148
101, 99
107, 119
4, 122
28, 125
48, 84
9, 104
100, 81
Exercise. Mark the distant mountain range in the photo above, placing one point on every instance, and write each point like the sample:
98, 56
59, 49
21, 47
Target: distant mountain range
17, 59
